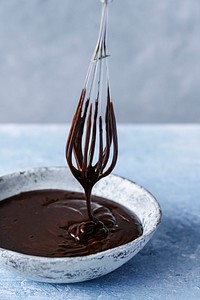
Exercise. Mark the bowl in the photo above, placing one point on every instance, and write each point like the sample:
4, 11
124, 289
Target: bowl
78, 269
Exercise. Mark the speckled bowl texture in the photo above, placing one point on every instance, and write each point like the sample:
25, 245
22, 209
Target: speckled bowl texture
77, 269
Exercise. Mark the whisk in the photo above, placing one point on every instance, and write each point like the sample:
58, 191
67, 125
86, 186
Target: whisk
92, 145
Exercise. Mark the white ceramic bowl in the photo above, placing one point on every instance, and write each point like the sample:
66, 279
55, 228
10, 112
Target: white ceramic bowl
77, 269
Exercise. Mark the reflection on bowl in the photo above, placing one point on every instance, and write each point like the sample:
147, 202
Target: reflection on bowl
77, 269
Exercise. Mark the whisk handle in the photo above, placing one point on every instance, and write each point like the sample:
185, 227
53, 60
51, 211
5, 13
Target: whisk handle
106, 1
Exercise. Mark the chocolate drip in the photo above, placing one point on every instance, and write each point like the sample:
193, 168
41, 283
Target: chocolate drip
80, 156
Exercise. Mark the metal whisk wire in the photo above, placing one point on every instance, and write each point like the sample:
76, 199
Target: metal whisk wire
93, 127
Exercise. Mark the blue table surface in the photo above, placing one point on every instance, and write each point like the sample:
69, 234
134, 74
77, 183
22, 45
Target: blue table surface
165, 159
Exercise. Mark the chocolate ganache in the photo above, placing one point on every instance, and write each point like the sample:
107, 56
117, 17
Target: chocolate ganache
37, 223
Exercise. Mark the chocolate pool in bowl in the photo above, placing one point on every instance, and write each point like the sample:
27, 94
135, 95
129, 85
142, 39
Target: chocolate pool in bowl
136, 200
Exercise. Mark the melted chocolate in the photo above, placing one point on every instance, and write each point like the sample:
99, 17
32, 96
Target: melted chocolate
38, 223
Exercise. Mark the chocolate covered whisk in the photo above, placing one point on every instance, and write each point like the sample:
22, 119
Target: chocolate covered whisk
92, 145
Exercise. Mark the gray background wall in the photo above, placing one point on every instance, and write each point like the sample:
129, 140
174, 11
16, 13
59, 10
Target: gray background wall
46, 45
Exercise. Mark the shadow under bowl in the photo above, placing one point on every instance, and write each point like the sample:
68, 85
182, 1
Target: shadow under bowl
78, 269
